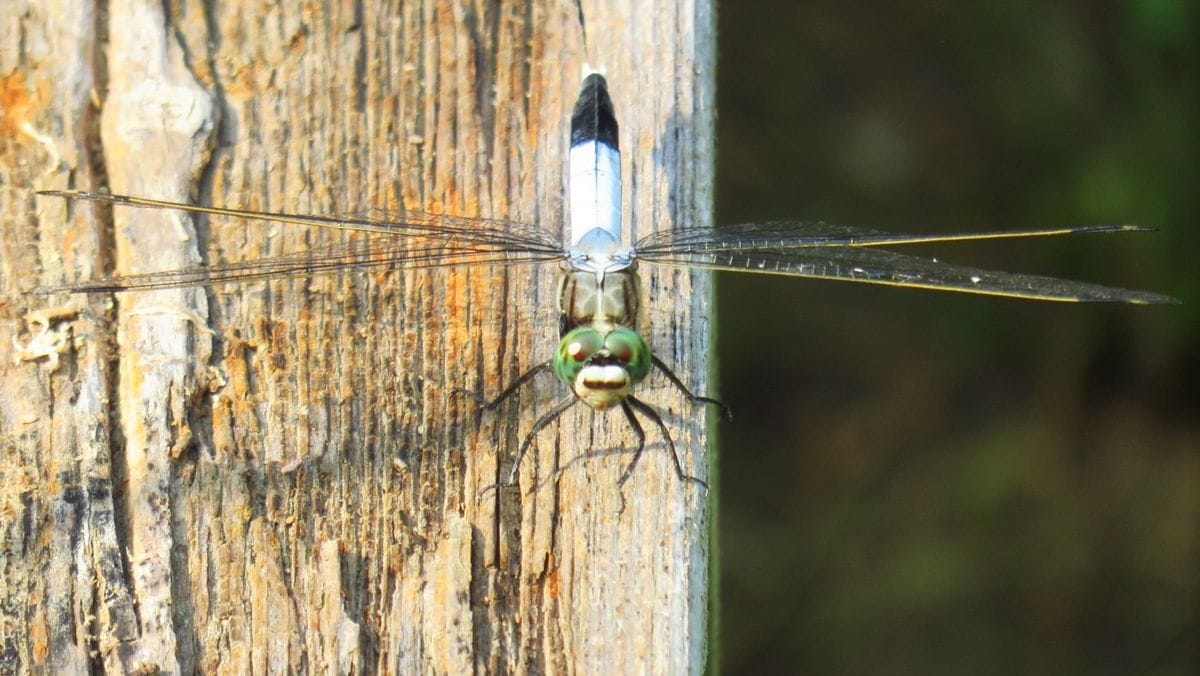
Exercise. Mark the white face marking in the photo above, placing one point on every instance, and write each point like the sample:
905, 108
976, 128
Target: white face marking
595, 182
602, 387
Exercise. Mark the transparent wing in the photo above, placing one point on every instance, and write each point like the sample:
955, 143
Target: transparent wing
786, 235
410, 223
428, 241
877, 266
375, 251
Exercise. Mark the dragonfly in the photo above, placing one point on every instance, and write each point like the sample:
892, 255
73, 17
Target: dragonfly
601, 357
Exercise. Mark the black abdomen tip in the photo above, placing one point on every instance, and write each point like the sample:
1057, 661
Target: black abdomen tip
593, 118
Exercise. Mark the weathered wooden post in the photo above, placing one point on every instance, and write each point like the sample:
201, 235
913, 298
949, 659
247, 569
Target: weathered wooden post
278, 476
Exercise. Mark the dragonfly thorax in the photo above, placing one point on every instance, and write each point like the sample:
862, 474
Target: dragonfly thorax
599, 252
602, 300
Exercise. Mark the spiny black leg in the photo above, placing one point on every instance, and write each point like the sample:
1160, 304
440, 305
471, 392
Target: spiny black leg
695, 399
538, 426
508, 391
641, 435
650, 413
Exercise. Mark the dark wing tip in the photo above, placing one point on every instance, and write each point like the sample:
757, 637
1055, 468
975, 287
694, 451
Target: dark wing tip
1157, 299
1117, 227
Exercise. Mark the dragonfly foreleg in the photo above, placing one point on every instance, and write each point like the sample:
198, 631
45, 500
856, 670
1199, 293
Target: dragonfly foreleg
693, 398
508, 391
650, 413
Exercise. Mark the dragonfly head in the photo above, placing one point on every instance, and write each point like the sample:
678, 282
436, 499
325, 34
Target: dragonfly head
602, 368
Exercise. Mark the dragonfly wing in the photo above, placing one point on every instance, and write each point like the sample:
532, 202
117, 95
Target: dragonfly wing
877, 266
409, 223
470, 227
787, 235
373, 251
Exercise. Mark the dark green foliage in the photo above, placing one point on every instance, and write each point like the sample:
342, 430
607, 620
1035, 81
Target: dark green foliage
928, 483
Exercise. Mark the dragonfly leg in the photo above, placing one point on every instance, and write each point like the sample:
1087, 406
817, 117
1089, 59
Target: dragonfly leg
650, 413
695, 399
508, 391
538, 426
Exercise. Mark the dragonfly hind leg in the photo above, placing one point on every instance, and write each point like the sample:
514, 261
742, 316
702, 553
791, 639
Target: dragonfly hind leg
627, 405
693, 398
641, 444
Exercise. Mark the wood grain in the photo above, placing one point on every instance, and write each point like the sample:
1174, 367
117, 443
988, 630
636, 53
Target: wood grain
278, 476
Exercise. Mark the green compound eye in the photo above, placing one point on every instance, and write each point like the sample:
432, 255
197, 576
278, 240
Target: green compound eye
574, 350
628, 347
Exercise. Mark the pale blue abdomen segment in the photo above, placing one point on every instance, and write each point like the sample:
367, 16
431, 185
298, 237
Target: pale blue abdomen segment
594, 168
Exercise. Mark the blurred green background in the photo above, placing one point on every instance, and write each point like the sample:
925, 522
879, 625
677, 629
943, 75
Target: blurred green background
932, 483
